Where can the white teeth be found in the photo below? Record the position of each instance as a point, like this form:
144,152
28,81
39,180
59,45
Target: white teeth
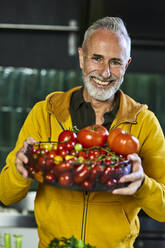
100,82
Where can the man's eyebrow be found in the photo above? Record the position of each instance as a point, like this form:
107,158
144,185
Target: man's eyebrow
101,56
115,59
97,55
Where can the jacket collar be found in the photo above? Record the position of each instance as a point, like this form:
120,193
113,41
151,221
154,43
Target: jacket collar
58,103
129,109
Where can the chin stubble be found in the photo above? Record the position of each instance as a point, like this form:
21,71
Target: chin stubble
100,93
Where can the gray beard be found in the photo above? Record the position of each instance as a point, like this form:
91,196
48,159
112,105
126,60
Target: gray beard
99,93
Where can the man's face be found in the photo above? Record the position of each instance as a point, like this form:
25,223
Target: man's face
103,63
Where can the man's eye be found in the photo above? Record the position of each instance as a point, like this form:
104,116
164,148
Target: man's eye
115,62
98,59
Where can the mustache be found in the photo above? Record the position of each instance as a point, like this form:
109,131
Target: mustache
108,79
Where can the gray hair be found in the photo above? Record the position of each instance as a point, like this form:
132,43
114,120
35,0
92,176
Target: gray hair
113,24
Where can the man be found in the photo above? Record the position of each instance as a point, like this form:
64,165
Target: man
103,219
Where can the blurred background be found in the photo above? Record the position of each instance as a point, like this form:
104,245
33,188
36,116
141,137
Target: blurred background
38,55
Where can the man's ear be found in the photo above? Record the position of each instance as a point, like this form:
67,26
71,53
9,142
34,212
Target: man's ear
81,59
129,61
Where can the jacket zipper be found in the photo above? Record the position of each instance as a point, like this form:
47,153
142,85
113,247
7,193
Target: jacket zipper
84,217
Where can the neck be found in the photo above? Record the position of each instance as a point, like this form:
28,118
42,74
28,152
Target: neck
100,107
97,104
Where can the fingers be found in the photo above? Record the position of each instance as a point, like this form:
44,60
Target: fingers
28,141
130,190
136,177
22,159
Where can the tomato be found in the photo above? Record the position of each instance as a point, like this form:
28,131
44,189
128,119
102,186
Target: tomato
49,177
64,166
122,142
63,153
58,159
108,172
67,135
81,173
93,154
70,145
82,154
111,182
49,163
87,184
52,153
61,147
65,179
94,135
78,147
94,172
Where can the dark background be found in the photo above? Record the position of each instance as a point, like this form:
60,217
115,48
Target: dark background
49,49
37,49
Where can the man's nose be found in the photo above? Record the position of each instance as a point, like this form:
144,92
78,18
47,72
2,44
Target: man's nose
106,71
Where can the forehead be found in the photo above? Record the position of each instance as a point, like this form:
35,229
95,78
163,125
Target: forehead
106,43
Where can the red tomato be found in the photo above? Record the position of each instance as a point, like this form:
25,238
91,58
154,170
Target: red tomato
49,163
108,171
49,177
52,153
64,166
121,142
95,135
81,175
63,153
111,182
65,179
94,172
70,144
67,135
87,184
82,154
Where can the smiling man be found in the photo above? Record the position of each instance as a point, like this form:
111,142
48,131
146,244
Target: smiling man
104,59
103,219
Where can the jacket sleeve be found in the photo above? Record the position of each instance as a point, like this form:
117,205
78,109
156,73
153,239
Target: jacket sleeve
13,187
151,195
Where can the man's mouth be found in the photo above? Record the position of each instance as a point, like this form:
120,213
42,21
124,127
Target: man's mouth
104,83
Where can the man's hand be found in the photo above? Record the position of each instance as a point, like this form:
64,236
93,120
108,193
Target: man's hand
135,178
21,158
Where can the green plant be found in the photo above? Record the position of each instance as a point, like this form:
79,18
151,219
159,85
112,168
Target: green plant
68,243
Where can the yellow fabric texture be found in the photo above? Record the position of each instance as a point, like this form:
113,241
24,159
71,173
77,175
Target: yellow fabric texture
100,218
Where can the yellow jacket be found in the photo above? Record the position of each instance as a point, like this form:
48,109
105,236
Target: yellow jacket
100,218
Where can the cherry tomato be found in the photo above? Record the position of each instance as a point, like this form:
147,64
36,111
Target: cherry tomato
82,154
94,172
31,170
49,163
80,176
122,143
49,177
52,153
61,147
93,154
70,145
40,164
58,159
95,135
63,153
87,184
78,147
65,179
67,135
111,182
106,174
64,166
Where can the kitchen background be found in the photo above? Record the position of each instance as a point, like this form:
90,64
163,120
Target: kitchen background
38,55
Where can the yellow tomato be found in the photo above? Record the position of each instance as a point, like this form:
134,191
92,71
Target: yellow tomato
58,159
